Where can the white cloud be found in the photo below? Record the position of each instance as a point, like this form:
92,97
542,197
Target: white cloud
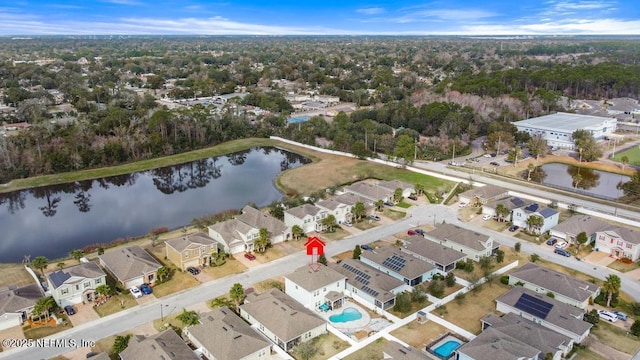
370,11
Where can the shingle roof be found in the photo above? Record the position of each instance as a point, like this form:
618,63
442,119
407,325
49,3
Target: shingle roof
510,203
329,204
304,210
15,299
555,281
484,192
281,314
378,281
183,242
459,235
369,191
431,250
579,223
392,185
257,219
492,344
129,263
547,212
89,270
229,230
223,326
165,345
312,280
627,235
413,266
396,351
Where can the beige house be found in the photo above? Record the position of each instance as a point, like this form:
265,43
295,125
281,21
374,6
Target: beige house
130,266
76,284
469,242
165,345
278,231
191,250
483,195
340,210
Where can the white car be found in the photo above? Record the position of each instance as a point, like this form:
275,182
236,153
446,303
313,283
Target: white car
561,245
348,223
486,155
607,315
486,217
135,292
462,204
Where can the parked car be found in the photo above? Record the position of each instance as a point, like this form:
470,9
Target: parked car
366,247
146,289
462,204
69,310
250,256
486,155
486,217
552,241
607,315
413,197
412,232
193,271
494,163
561,245
389,203
348,223
562,252
420,231
513,228
622,316
374,217
135,292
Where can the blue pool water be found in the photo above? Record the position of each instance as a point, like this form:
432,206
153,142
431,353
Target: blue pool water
348,314
447,348
298,119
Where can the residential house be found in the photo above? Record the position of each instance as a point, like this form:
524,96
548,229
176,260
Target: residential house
371,192
509,203
16,304
401,265
492,344
76,284
278,231
370,284
130,266
565,288
469,242
549,216
340,210
166,345
234,236
543,339
223,327
315,287
309,217
569,229
620,242
444,259
546,311
191,250
392,185
482,195
350,200
282,319
396,351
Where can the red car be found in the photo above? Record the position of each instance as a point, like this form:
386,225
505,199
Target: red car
412,232
250,256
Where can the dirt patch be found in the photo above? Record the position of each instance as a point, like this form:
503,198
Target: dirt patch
372,351
14,274
476,305
14,332
419,335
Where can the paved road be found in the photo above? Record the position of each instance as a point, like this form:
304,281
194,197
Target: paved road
423,214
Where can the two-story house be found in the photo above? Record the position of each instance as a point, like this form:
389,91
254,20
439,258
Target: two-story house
482,195
403,266
316,287
278,231
191,250
234,236
340,210
131,266
620,242
520,217
76,284
469,242
569,229
308,217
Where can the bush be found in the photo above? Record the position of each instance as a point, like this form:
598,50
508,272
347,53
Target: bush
438,276
158,230
504,279
635,328
436,288
517,246
403,303
450,280
592,317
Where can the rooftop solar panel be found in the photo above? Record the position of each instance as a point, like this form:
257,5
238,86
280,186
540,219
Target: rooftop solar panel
532,207
533,306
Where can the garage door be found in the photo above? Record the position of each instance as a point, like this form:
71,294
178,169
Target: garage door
135,282
237,249
194,262
71,301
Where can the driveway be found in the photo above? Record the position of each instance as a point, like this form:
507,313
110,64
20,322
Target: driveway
84,314
145,299
12,333
599,258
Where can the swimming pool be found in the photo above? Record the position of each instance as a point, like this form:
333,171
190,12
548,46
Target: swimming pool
298,119
447,348
348,314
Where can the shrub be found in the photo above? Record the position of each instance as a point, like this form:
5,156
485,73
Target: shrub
438,276
450,280
403,303
436,288
504,279
158,230
592,317
551,295
517,246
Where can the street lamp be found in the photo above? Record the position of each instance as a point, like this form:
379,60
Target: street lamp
162,306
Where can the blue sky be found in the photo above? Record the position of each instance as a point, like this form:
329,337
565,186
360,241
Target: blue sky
286,17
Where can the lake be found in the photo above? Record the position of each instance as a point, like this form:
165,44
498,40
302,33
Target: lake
596,183
53,220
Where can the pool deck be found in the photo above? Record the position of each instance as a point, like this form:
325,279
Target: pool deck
349,325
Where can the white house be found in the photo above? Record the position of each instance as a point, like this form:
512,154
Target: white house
16,304
620,242
313,288
519,217
76,284
469,242
569,229
278,231
309,217
510,203
340,210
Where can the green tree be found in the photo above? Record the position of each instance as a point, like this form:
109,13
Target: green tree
379,205
360,150
485,262
188,318
419,188
502,212
630,188
514,155
103,290
397,195
534,222
76,254
537,146
40,263
582,239
624,160
262,242
322,259
534,258
164,274
611,286
222,302
499,141
450,279
530,169
499,256
460,298
359,211
237,295
297,232
635,328
306,350
592,317
120,343
60,265
330,223
44,306
436,288
587,146
403,302
405,149
357,252
517,246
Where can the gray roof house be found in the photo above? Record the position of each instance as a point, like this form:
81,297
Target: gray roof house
16,304
76,284
369,283
315,287
396,351
131,266
492,344
548,312
223,326
440,256
565,288
234,236
282,319
401,265
309,217
473,244
544,339
483,195
278,231
339,209
569,229
166,345
550,217
510,203
407,189
371,192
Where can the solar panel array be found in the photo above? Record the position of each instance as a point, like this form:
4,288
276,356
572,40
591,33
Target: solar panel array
395,263
533,306
370,291
361,276
532,207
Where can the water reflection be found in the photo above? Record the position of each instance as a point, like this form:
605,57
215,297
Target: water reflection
583,178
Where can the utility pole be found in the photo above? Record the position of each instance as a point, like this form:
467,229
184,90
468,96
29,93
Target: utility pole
366,143
415,150
453,154
498,149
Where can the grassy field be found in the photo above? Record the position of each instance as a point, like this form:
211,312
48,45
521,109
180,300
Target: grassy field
616,338
632,153
327,346
477,304
372,351
116,303
419,335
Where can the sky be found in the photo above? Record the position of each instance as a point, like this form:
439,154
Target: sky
328,17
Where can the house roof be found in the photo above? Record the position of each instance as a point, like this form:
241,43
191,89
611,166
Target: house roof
129,263
394,184
432,250
101,356
369,191
627,235
484,192
330,204
454,233
400,262
304,210
89,270
352,199
510,203
368,279
547,212
555,281
184,242
396,351
527,331
312,280
223,326
257,219
229,230
14,299
281,314
165,345
496,345
558,313
579,223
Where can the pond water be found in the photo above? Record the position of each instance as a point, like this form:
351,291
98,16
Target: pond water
596,183
51,221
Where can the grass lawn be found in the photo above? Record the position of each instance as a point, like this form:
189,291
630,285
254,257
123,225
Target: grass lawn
44,331
536,239
623,267
179,282
476,305
633,154
403,205
271,254
327,345
495,225
232,266
104,344
269,284
170,319
338,234
394,214
372,351
14,275
586,354
116,303
365,224
419,335
616,338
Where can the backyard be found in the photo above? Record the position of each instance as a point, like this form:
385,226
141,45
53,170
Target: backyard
372,351
616,338
419,335
326,345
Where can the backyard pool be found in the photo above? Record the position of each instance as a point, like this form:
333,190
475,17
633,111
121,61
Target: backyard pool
348,314
447,348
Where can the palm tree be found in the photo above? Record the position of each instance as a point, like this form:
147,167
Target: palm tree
530,168
236,293
263,240
379,204
611,286
188,318
164,274
397,195
44,306
419,188
60,265
330,223
103,290
534,222
502,212
221,302
359,211
40,263
76,254
297,232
